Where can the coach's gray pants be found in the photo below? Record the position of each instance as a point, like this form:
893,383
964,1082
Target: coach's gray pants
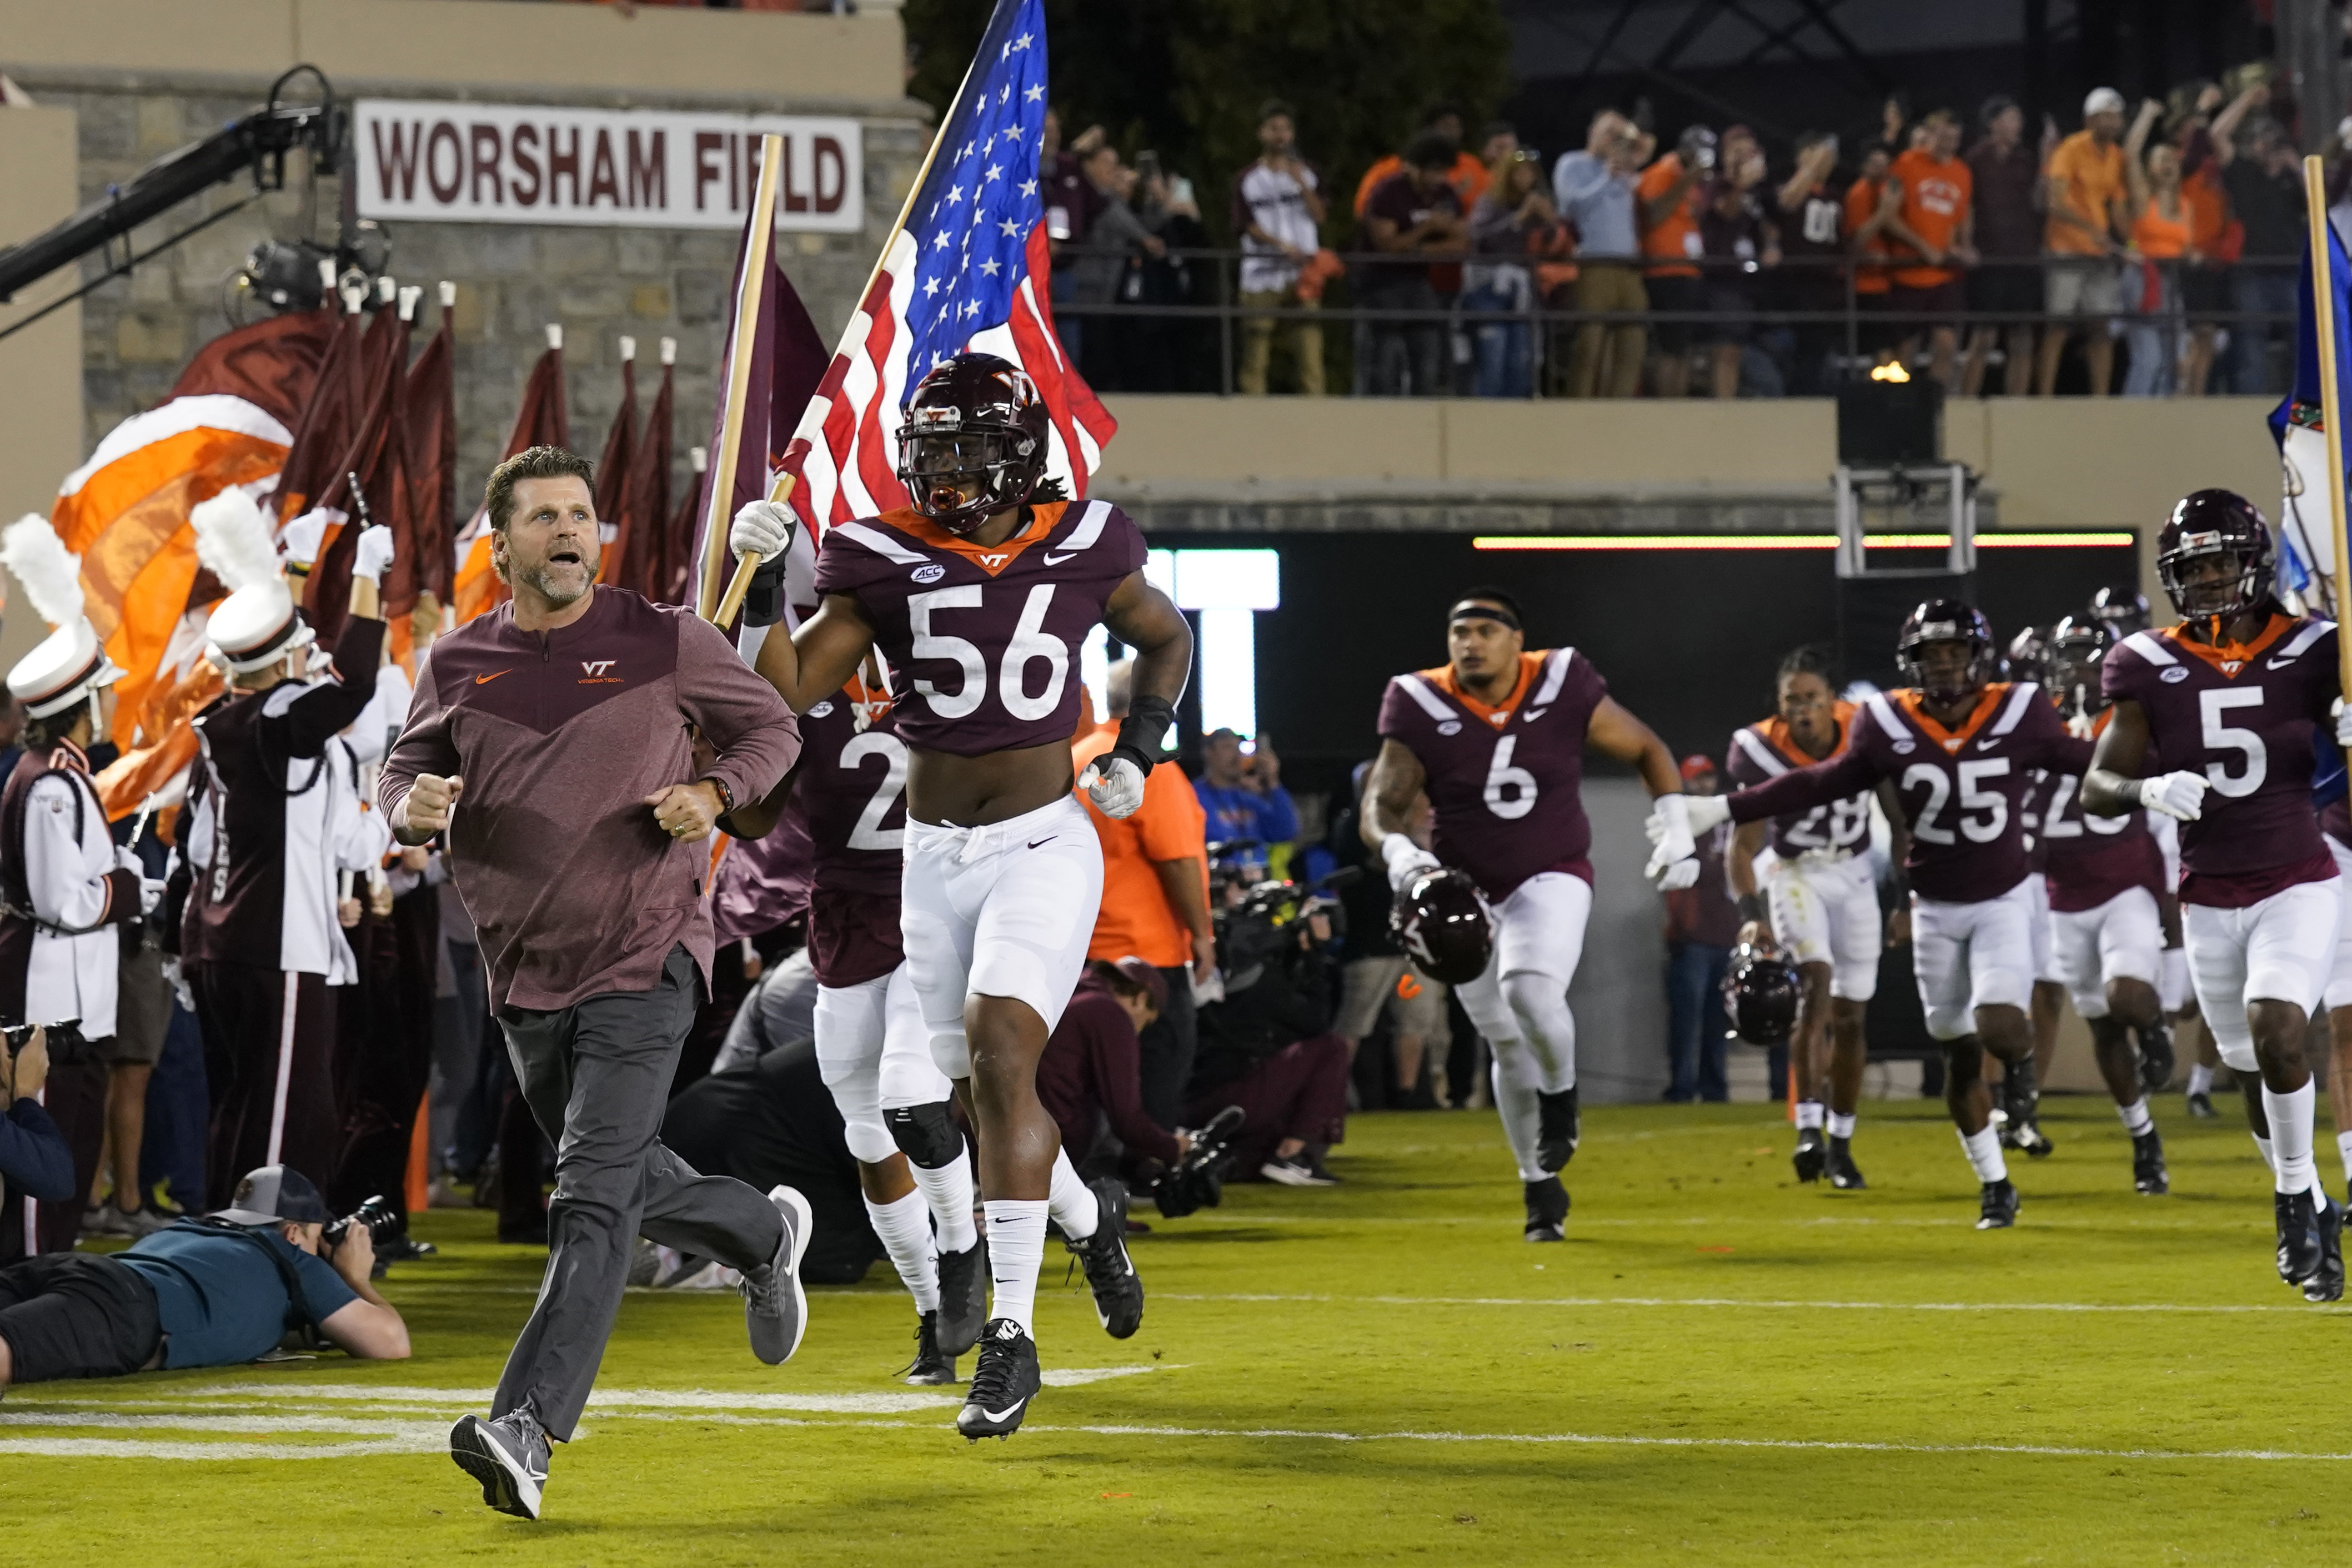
597,1077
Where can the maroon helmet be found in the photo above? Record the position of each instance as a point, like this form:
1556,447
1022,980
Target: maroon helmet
2215,523
1442,921
1760,992
1945,621
974,440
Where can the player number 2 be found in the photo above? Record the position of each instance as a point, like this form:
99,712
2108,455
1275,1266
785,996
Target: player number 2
870,832
1031,642
2213,706
1510,791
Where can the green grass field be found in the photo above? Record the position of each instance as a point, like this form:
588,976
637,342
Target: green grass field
1718,1365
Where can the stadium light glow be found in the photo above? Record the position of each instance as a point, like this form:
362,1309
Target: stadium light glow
2109,540
1225,590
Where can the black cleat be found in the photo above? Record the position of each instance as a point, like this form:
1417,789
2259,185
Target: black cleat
931,1366
2298,1236
1997,1206
507,1455
1110,1273
2149,1175
1557,1128
1844,1175
1001,1384
2326,1283
2156,1058
2200,1105
1547,1210
1811,1157
2023,1101
963,1298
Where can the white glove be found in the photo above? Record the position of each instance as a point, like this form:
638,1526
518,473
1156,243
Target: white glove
178,981
374,554
762,529
127,859
1678,875
1405,859
1115,784
2081,726
2342,723
151,893
2180,796
299,543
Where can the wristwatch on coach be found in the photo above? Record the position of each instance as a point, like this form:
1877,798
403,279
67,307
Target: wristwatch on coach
726,796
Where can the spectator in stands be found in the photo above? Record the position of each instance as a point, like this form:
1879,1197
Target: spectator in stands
1090,1078
2200,134
2158,223
1166,350
1738,240
1514,219
1669,197
1594,190
1811,220
1242,794
1464,171
1412,213
1155,902
2005,176
1374,972
2083,186
1116,239
1264,1047
1071,202
1933,229
1702,924
2264,185
1870,206
1277,206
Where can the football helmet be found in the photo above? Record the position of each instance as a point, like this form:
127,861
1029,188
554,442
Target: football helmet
2029,655
1442,921
1945,621
2078,646
1760,993
974,440
2215,523
2123,608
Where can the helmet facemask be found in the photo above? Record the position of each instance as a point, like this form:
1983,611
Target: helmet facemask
1946,688
960,477
2219,597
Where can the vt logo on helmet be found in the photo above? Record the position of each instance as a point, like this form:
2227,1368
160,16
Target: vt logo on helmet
974,441
1442,921
1760,992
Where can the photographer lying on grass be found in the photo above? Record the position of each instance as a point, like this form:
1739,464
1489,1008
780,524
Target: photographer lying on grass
200,1292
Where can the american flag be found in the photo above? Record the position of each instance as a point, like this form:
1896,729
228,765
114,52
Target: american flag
967,270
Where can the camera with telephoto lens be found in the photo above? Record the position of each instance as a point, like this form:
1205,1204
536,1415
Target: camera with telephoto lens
377,1217
1197,1181
68,1047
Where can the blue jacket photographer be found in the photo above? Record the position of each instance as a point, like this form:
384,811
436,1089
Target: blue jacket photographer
202,1292
35,1161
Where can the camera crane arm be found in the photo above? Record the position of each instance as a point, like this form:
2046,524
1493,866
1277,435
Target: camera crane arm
258,143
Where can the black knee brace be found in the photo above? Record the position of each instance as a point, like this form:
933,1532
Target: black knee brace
926,1134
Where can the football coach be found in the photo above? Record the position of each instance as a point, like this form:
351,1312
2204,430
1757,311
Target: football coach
548,739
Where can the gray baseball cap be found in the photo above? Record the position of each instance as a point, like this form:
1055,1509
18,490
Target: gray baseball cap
275,1194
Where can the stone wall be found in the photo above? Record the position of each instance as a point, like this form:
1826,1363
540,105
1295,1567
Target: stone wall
599,283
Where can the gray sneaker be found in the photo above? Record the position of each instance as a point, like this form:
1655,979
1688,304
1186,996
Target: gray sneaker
507,1455
137,1223
775,1308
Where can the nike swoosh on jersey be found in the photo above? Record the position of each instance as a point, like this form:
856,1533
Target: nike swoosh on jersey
1988,744
1534,714
2281,663
1053,559
485,680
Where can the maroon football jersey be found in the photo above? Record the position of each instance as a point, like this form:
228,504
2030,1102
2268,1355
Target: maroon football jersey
2090,859
1962,789
1766,751
984,639
851,789
1505,783
2243,716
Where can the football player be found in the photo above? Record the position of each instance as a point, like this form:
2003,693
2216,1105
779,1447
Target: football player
2336,822
872,1049
1806,877
979,595
1496,736
1960,748
2106,877
2230,699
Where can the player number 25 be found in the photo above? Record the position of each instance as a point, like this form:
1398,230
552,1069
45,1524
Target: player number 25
2212,708
1983,812
1031,642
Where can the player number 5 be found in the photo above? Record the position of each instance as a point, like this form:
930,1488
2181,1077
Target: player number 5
2212,707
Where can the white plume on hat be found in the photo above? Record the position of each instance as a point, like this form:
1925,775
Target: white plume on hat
233,539
51,574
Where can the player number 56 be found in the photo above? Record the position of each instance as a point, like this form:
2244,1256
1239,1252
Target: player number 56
1031,642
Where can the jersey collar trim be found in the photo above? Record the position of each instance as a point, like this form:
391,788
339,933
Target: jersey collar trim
1774,732
1499,715
990,559
2230,657
1952,740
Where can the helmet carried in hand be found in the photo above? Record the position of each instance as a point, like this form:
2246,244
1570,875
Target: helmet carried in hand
1760,993
1442,921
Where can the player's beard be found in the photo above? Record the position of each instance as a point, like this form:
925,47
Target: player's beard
561,583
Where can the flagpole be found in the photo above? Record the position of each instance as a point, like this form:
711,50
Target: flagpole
2322,306
747,564
759,244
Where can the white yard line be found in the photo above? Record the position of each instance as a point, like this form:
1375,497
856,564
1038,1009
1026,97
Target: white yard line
1745,1304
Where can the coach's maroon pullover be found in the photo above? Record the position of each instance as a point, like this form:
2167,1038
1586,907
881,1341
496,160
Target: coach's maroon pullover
559,735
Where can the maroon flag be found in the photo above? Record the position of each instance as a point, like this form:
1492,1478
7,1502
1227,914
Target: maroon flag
369,483
427,558
644,513
677,564
542,420
615,466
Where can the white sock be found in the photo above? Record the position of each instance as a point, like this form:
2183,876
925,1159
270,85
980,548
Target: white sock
2291,1132
946,1192
2135,1117
2201,1079
1071,1201
1840,1124
1809,1114
1522,1113
905,1227
1016,1250
2344,1147
2263,1148
1983,1150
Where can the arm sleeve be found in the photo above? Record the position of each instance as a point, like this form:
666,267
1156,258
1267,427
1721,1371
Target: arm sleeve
424,746
67,889
34,1156
1277,818
1118,1071
1849,772
324,1292
329,709
737,711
